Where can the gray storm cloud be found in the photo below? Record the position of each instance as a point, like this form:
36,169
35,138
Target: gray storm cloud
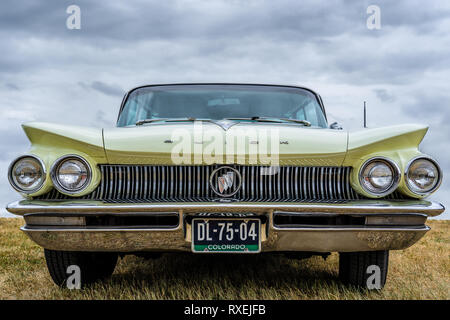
50,73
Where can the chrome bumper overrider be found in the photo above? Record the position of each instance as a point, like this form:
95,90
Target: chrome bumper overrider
393,224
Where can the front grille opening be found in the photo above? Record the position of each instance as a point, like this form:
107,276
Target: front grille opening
157,221
293,220
169,183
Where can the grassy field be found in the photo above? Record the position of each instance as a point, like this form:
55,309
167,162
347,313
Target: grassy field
420,272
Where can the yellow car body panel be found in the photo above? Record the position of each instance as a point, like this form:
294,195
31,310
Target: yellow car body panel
398,143
154,143
51,141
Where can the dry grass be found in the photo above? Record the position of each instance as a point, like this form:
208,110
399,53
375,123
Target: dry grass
420,272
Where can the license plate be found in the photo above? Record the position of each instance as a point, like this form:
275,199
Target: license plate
226,235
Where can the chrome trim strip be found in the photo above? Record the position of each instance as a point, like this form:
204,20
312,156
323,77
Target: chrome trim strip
87,229
368,228
330,183
385,220
111,179
333,214
361,206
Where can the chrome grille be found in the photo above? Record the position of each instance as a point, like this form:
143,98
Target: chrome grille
140,183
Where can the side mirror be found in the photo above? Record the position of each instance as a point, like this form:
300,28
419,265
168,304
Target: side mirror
335,126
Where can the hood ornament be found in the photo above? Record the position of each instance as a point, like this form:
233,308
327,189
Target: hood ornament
225,124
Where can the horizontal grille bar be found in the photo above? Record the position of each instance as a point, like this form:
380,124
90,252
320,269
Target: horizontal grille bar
141,183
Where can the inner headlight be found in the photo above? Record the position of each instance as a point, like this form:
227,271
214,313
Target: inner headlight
27,174
71,174
423,176
379,176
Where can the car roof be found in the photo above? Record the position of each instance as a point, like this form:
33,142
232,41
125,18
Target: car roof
225,84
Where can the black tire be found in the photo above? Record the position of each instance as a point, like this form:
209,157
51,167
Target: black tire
93,266
353,268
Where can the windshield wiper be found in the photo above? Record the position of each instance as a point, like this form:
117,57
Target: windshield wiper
141,122
259,119
277,120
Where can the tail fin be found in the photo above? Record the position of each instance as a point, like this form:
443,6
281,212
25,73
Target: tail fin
76,138
387,138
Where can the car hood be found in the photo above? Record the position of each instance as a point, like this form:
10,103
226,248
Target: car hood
241,143
159,143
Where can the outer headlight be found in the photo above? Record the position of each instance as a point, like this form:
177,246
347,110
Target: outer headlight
71,174
379,176
27,174
423,176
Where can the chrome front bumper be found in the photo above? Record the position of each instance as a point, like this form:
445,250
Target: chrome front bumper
393,225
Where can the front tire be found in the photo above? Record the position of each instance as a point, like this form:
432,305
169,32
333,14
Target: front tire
367,270
93,266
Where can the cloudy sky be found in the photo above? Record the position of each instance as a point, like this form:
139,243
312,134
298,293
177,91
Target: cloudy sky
51,73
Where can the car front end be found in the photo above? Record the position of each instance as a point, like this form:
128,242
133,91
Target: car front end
146,185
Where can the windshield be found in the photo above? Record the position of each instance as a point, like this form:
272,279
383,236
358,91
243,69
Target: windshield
217,102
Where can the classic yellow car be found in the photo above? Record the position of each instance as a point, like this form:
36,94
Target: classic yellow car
223,168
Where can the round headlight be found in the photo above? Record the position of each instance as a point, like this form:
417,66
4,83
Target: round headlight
379,176
27,174
71,174
423,176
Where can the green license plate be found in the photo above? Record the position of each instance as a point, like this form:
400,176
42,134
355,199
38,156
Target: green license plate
226,235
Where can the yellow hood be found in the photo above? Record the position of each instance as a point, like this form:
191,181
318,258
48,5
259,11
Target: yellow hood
157,143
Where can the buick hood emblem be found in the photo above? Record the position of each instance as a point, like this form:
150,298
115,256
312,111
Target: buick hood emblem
225,181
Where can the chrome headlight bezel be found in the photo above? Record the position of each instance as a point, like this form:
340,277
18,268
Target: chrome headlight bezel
54,174
396,176
435,163
43,169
